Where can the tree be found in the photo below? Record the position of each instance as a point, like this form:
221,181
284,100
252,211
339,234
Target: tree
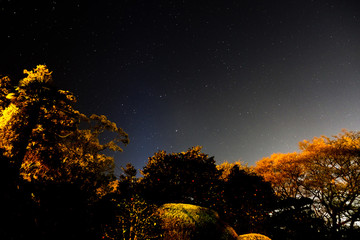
295,219
50,149
132,217
187,177
284,171
327,170
135,219
128,184
246,198
40,132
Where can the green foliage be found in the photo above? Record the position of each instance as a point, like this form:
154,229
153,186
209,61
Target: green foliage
253,236
187,177
186,221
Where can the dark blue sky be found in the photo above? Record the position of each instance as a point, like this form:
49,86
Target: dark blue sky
243,79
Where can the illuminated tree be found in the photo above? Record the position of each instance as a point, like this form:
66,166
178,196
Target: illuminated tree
284,171
40,132
52,161
332,177
225,168
188,177
327,170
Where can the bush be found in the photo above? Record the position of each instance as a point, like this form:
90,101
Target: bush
186,221
253,236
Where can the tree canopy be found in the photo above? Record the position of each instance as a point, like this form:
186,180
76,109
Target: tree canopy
326,170
188,177
41,136
245,198
53,162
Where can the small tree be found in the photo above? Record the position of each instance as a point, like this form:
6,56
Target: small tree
131,217
128,184
135,219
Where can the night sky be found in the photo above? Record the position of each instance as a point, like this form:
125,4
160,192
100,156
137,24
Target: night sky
243,79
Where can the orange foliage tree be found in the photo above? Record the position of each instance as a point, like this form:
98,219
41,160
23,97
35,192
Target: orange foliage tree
326,170
284,171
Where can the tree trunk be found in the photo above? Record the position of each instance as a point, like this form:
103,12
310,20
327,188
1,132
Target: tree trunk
334,227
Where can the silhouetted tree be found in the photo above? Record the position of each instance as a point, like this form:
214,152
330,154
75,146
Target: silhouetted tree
128,183
188,177
294,219
134,219
246,199
131,216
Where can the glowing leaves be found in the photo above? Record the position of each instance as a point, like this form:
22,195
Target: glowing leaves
6,92
39,74
39,130
8,136
69,96
326,170
8,114
11,96
226,168
283,171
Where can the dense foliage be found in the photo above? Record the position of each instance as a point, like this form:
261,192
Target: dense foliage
189,177
245,198
51,168
327,172
57,179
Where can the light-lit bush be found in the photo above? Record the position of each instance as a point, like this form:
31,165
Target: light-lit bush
253,236
186,221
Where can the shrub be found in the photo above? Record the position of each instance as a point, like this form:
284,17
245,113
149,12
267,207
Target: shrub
186,221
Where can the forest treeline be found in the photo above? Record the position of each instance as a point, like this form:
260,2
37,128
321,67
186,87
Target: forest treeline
58,181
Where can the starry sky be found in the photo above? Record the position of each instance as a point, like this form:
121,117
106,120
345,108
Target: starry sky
242,78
